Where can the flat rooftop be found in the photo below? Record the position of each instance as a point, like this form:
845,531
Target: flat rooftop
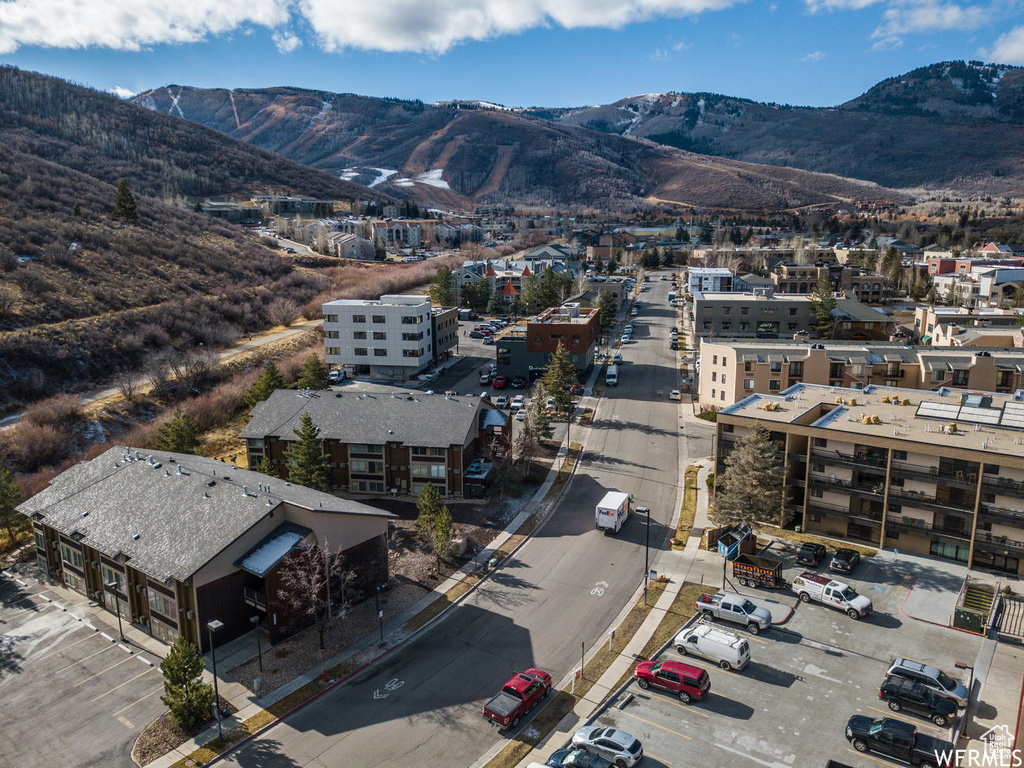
985,421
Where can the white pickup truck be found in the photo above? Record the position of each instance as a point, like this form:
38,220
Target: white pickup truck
835,594
734,608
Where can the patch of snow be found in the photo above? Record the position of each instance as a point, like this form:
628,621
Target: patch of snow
348,174
433,178
385,174
402,183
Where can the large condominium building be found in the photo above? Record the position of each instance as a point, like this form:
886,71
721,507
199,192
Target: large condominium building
391,338
709,279
732,369
931,473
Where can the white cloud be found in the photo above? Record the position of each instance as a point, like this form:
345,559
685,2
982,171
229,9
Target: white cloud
660,54
383,25
1008,49
128,24
286,42
839,5
888,44
682,45
930,16
814,56
122,93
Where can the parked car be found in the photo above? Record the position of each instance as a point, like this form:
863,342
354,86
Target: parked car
618,746
521,414
476,334
617,358
501,401
577,758
931,678
485,378
895,738
474,316
488,340
734,608
844,560
689,683
576,389
724,648
518,382
517,697
902,693
673,344
517,402
674,395
500,382
811,553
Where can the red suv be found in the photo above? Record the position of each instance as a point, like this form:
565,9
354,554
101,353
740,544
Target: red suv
500,382
688,682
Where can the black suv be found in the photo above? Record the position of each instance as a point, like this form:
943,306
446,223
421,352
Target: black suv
844,560
810,554
909,695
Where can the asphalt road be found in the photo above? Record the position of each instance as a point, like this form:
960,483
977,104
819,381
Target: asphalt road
422,705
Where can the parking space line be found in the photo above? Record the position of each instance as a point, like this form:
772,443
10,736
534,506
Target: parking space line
687,707
656,757
870,757
93,677
64,648
642,720
122,685
137,701
75,663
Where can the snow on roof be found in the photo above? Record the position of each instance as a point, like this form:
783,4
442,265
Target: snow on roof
268,553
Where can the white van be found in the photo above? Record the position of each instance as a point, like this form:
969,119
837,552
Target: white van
724,648
611,376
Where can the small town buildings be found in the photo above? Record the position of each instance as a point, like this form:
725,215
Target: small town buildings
927,318
731,369
709,279
523,349
394,337
345,245
851,281
173,541
385,440
931,473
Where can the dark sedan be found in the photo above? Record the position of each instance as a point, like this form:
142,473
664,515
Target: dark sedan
810,553
844,560
577,758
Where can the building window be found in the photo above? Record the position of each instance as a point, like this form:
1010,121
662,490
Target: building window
714,375
818,467
726,310
792,311
412,337
723,379
359,334
360,352
74,581
899,455
163,632
707,326
332,335
714,360
378,352
791,326
817,493
776,367
362,448
436,471
722,396
744,326
796,369
40,540
726,326
111,575
774,386
410,353
380,336
358,318
714,393
835,371
330,318
820,442
162,604
744,310
749,366
748,384
938,375
959,378
409,319
379,319
71,556
357,466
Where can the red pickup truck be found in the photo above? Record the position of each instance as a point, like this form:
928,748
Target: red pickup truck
518,696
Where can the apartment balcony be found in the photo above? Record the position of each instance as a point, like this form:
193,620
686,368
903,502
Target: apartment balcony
837,512
837,485
966,480
1001,513
1003,485
922,501
857,461
997,544
913,525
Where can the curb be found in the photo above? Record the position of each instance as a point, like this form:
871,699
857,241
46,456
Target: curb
934,623
405,640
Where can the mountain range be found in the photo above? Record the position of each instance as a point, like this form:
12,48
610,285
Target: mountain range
459,155
698,149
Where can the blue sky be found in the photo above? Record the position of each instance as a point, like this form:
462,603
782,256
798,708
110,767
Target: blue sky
514,52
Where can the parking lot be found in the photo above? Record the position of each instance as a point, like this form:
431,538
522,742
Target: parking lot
70,692
789,705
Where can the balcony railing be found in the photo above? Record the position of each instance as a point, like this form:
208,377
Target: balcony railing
838,484
1003,484
844,513
860,461
1013,515
910,498
990,542
913,524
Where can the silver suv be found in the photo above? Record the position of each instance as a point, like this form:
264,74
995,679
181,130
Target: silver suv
931,678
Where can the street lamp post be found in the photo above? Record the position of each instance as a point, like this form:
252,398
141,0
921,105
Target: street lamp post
213,626
112,586
255,621
380,613
647,550
970,687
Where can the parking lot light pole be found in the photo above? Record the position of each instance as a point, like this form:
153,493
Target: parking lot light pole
112,586
255,621
970,686
213,626
647,550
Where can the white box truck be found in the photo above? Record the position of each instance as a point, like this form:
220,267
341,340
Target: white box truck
835,594
613,510
611,376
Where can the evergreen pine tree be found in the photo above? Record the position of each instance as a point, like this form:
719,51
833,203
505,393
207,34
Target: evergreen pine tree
185,694
313,374
125,207
76,209
750,489
559,376
307,464
269,381
266,467
823,302
440,290
606,308
10,496
442,533
428,502
179,435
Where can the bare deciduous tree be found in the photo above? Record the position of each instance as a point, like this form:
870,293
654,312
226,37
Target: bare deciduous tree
128,382
304,585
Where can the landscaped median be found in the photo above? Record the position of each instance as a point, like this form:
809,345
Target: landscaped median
337,674
689,509
563,702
